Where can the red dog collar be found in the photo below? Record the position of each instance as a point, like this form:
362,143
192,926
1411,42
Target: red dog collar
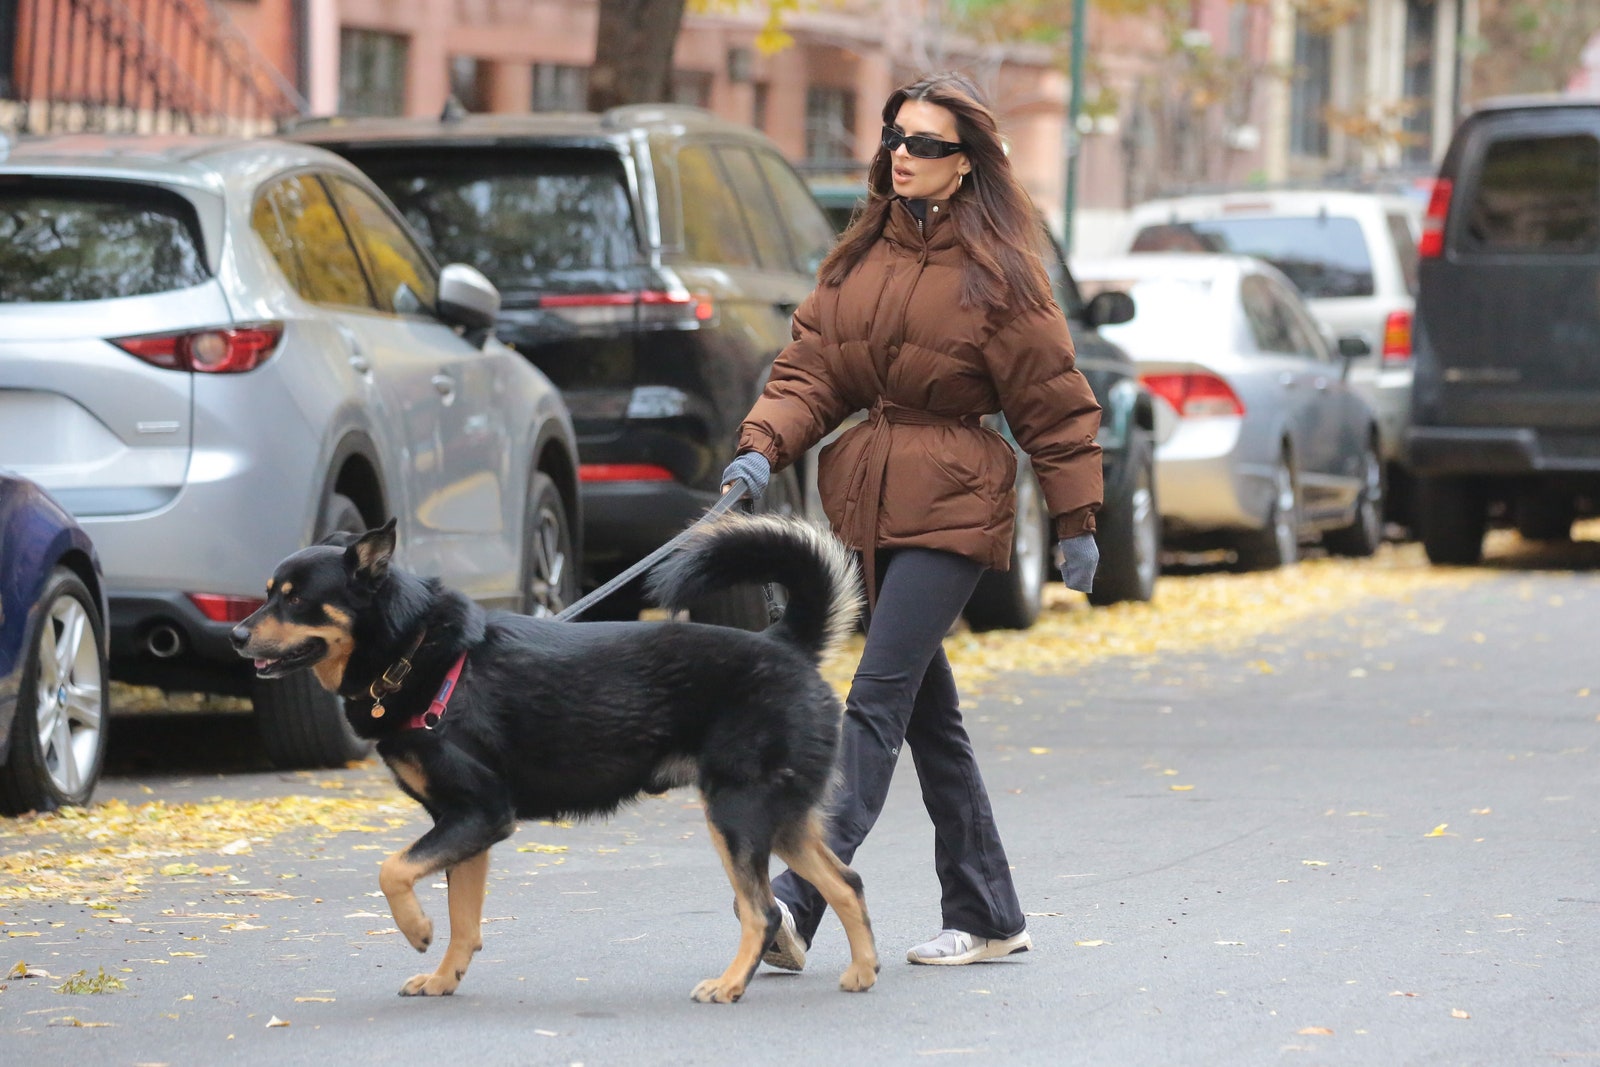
427,720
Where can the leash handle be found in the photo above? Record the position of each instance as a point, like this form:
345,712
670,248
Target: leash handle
738,489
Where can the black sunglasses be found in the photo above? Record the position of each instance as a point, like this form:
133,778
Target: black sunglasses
921,147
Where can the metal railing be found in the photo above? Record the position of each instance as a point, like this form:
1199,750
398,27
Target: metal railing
134,66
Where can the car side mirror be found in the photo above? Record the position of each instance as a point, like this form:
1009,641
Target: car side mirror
469,300
1109,308
1354,346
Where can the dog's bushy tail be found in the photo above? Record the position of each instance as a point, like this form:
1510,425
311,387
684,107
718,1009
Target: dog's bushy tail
816,571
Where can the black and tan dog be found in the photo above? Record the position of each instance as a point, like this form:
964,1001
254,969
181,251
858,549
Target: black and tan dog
488,718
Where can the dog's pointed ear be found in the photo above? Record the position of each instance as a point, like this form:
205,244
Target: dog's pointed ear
367,559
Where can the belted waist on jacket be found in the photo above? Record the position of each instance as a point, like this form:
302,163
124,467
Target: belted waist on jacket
882,413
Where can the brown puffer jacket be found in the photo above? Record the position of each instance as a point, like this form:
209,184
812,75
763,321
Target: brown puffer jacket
920,471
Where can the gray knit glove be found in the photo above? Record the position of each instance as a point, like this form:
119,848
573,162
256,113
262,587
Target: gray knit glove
753,468
1079,558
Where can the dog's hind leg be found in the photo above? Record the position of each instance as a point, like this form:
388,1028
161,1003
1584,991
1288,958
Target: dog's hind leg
468,881
809,856
758,915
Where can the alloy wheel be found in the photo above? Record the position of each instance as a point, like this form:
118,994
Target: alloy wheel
70,685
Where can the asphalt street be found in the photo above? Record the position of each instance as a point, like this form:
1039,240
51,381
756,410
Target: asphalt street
1372,840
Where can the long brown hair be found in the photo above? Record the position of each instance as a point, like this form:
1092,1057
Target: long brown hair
994,219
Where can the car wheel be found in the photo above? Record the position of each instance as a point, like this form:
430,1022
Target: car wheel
746,607
1129,537
1363,536
1452,515
1277,544
300,723
1545,517
58,736
1010,600
549,571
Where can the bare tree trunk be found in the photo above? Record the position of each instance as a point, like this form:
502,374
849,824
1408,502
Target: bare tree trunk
633,52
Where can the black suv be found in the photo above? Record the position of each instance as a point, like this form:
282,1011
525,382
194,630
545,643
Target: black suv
1507,383
649,259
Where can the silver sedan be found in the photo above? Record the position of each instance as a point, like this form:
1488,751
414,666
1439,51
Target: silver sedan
1262,443
216,351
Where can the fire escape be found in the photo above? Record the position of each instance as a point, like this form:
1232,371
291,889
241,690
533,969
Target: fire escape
134,66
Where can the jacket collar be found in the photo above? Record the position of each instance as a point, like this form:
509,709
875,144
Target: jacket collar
903,228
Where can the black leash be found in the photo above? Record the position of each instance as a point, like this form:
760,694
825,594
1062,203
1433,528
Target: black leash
737,491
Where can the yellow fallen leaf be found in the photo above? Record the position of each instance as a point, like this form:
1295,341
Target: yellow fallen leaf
1457,1013
534,846
1088,944
1316,1030
1315,863
1398,993
1180,788
1437,831
313,1000
275,1021
174,869
1037,751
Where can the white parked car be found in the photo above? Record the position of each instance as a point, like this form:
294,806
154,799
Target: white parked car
1353,255
1262,443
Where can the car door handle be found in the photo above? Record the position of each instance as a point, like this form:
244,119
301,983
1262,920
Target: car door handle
444,385
1287,380
358,358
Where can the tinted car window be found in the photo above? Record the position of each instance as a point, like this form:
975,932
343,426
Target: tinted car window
401,274
712,232
809,230
760,215
1269,324
526,219
312,248
1324,255
95,241
1537,194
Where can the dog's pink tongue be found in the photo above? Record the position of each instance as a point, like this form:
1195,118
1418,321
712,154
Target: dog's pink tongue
260,663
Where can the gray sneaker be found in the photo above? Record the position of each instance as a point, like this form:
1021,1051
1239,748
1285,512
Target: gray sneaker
955,947
787,951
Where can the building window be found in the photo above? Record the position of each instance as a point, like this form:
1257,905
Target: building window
758,105
830,124
1418,122
1310,93
372,72
691,87
469,82
560,88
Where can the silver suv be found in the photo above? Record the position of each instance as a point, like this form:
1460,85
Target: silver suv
1353,255
216,351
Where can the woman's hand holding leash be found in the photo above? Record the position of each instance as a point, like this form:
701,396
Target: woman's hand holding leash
753,469
1080,556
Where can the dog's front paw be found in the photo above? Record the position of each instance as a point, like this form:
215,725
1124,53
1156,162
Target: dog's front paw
431,985
858,979
418,930
716,991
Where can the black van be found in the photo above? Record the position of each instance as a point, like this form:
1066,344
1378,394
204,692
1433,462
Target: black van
1506,399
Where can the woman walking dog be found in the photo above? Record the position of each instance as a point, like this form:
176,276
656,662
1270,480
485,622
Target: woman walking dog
932,310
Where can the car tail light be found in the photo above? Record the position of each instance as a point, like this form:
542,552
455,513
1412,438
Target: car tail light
1431,244
622,472
1194,395
651,307
1397,339
222,608
217,350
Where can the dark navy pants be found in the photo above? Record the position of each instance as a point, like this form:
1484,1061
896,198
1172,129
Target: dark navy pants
904,694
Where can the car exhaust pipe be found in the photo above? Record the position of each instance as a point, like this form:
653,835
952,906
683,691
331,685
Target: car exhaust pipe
163,641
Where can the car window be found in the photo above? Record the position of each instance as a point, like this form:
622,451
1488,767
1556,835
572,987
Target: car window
1324,255
810,233
1270,323
760,214
1405,248
1173,317
95,241
527,220
402,277
1304,337
306,236
712,230
1536,194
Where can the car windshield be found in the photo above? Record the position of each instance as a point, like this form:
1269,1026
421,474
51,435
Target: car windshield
527,220
94,241
1325,255
1173,318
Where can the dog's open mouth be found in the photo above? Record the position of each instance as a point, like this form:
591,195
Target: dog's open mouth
290,661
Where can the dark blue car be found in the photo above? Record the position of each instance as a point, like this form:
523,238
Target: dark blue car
53,681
